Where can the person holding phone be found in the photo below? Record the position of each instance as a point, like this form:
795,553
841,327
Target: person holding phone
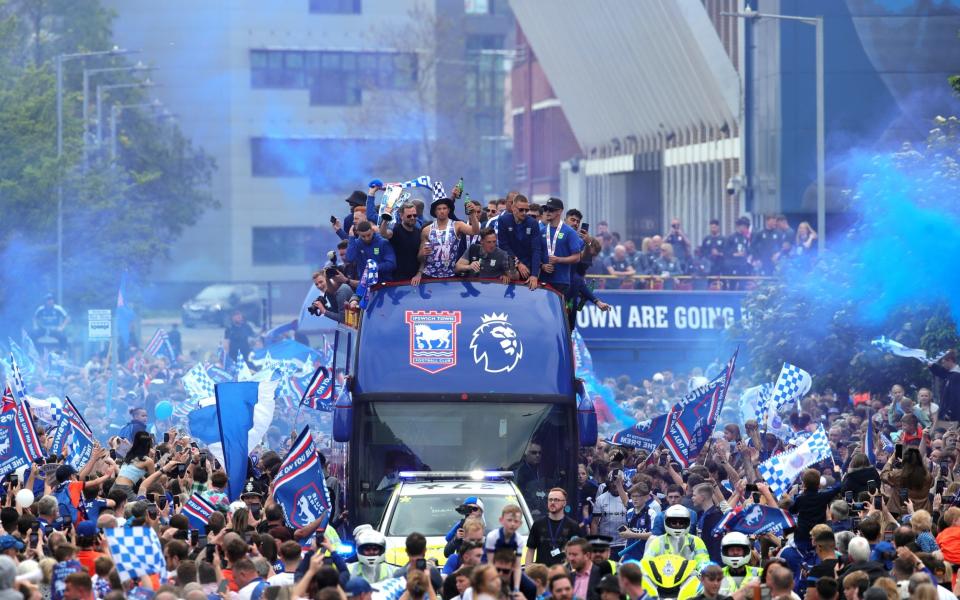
911,481
860,472
810,506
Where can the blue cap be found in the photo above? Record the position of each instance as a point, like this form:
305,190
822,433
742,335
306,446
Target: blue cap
8,541
376,183
87,529
356,586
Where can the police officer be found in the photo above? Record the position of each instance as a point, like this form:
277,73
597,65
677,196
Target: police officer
50,320
600,554
712,247
371,548
678,540
736,552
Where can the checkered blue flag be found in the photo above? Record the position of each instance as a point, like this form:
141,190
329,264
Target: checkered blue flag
389,589
136,551
19,389
791,385
781,471
438,192
198,383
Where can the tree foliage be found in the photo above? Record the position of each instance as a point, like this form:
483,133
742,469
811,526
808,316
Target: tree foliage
119,215
891,275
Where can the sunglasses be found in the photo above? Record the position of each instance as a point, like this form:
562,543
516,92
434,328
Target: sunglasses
523,210
503,571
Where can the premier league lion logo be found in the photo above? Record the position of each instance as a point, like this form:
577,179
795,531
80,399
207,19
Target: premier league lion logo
496,344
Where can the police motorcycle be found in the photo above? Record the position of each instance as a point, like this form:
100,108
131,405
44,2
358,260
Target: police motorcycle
670,577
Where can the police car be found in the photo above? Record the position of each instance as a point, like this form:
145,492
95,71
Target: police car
426,502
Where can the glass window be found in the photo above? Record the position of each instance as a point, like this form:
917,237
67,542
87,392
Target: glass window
432,515
294,60
336,7
530,439
258,59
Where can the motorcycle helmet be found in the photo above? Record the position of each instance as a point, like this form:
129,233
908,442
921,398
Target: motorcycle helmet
371,546
676,520
740,544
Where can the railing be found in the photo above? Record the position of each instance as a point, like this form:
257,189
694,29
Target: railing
678,282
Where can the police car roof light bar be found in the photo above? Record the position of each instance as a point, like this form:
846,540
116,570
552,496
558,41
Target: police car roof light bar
474,475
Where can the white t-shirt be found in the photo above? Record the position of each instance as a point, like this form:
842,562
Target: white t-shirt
613,514
281,579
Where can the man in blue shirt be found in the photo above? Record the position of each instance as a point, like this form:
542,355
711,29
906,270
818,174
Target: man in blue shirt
368,245
562,244
519,234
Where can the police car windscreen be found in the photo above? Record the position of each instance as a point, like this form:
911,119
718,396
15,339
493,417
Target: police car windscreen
432,515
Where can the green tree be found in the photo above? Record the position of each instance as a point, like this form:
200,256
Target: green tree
889,277
119,215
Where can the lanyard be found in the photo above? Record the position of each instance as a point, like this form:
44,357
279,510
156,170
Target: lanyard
553,534
552,244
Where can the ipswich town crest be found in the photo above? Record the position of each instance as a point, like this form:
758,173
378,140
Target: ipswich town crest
433,339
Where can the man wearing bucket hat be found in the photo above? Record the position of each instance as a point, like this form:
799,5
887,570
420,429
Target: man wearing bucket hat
441,239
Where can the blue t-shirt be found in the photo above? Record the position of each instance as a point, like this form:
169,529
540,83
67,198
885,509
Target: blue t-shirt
92,508
565,242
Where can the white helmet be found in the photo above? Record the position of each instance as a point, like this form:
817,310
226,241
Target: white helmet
732,540
371,538
672,518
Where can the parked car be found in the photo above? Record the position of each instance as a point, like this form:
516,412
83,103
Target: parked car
215,304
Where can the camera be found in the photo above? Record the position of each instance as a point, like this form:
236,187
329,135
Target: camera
858,506
313,310
464,510
386,217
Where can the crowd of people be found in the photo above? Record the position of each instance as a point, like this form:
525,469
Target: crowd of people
876,521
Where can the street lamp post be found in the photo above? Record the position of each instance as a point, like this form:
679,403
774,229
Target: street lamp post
60,59
817,23
115,86
87,73
115,111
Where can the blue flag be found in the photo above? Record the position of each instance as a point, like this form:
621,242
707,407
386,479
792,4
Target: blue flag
299,488
202,421
645,435
318,393
754,519
697,416
19,443
198,511
73,438
244,413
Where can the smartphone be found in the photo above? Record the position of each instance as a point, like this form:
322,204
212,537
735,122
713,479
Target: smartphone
176,501
663,460
113,454
333,220
756,497
152,511
855,523
585,227
941,485
898,451
622,528
751,487
67,521
421,564
181,470
318,537
848,497
872,486
166,437
162,502
210,554
903,494
194,537
14,480
223,586
878,503
151,497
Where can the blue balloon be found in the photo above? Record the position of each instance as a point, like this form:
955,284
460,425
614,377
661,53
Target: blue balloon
163,410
